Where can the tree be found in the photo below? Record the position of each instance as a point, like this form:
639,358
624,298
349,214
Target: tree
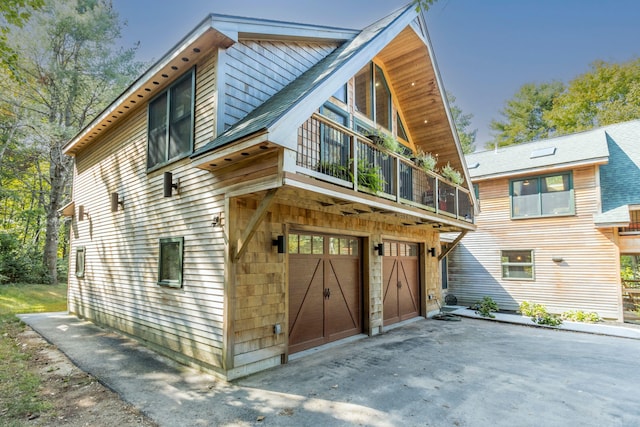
69,71
13,13
525,115
462,122
608,93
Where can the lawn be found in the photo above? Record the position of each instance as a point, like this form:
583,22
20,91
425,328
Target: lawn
18,385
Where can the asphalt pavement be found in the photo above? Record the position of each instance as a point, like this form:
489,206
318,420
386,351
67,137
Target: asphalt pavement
427,372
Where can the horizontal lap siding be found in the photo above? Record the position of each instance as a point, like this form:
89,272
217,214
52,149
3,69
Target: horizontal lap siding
587,279
119,288
256,70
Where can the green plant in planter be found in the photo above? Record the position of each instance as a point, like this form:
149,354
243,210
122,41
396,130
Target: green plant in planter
385,140
486,307
451,173
370,176
425,161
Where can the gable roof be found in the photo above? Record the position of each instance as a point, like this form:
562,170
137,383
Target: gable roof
213,32
275,108
401,42
582,148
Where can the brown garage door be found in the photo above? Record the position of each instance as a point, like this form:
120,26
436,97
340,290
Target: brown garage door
325,290
401,285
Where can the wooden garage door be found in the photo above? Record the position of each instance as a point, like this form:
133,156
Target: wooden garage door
401,285
325,290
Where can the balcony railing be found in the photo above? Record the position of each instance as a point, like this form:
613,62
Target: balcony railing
334,153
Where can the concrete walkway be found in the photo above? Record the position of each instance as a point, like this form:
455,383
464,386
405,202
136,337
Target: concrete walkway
423,373
622,330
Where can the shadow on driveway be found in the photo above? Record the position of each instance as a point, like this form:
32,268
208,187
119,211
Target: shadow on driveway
425,373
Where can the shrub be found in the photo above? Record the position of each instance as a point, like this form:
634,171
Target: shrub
581,316
486,307
538,313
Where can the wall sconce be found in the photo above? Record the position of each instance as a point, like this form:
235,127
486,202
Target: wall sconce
82,213
279,242
115,201
169,185
557,258
431,251
379,248
215,220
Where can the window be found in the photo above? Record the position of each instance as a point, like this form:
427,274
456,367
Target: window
80,256
517,264
341,94
402,133
373,96
363,83
170,262
542,196
334,143
306,244
171,123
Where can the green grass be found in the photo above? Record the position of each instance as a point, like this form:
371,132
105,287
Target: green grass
18,386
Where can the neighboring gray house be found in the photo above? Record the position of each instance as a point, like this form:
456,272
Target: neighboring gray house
556,216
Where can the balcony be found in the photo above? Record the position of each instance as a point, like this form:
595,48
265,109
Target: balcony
333,153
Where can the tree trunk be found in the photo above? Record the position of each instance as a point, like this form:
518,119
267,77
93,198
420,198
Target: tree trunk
58,175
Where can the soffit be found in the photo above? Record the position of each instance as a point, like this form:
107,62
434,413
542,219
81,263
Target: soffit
414,80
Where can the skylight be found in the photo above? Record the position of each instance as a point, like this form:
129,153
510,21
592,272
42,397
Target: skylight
542,152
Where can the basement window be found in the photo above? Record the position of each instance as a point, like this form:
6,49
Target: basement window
170,262
517,264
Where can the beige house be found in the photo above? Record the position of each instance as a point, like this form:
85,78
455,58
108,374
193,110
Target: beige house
234,205
556,217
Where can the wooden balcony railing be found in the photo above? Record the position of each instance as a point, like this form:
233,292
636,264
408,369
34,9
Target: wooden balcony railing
337,154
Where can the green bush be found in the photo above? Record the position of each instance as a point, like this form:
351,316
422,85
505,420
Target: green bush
538,313
486,307
19,263
581,316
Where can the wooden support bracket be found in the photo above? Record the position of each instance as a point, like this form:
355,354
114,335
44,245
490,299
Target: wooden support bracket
254,222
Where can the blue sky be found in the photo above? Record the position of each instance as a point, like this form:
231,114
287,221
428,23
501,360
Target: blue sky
485,49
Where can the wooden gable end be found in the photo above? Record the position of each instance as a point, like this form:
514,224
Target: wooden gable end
414,78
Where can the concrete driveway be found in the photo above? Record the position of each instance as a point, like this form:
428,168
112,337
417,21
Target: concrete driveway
425,373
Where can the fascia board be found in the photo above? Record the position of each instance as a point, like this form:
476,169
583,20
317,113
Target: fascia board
250,28
302,110
174,52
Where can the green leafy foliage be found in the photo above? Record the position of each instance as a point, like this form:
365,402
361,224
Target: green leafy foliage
486,307
524,115
581,316
462,123
539,314
370,176
426,161
451,173
607,93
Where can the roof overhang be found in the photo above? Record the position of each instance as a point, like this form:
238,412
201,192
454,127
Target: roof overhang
618,217
215,31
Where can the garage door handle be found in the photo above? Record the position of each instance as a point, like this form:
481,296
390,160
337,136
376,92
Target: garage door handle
327,293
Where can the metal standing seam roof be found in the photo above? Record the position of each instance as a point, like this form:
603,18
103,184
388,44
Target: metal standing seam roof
269,112
583,147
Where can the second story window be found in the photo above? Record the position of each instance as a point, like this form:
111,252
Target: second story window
373,96
547,195
171,123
